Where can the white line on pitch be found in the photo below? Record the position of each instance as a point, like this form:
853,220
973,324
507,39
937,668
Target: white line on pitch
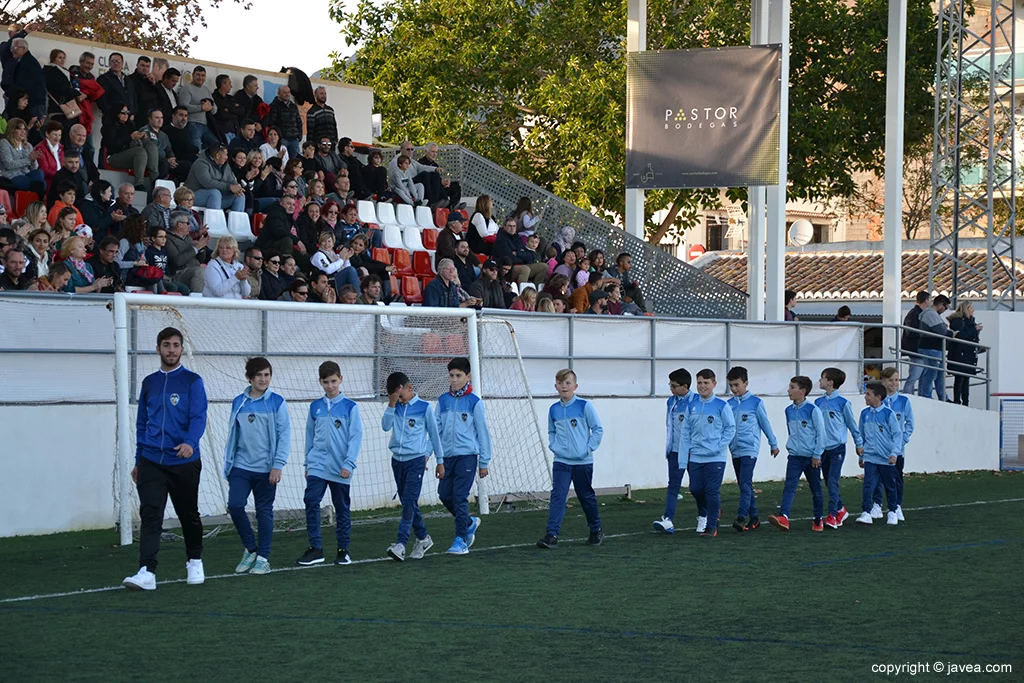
371,560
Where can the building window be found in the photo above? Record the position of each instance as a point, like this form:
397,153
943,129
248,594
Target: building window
821,234
715,238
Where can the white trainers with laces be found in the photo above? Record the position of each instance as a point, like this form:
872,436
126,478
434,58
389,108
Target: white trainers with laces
865,518
702,524
196,575
397,552
876,511
899,513
144,580
892,520
420,548
664,524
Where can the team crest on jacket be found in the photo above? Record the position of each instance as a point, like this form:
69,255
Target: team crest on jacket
465,417
831,415
337,424
743,418
412,423
710,419
573,422
174,399
251,418
803,423
682,417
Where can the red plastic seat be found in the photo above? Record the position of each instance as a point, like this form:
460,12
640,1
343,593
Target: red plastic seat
455,345
394,284
412,293
381,254
105,164
22,199
426,279
402,261
483,258
429,238
421,264
257,222
441,218
433,344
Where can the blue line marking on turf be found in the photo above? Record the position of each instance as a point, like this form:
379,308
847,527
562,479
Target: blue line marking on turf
898,553
515,627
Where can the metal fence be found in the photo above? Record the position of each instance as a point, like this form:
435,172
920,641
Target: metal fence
914,362
670,286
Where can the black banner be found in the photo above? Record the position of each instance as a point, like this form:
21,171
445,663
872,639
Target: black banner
703,118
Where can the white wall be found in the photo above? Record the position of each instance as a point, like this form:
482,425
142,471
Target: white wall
1003,331
60,479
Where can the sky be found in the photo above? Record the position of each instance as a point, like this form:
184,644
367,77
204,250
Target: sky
250,30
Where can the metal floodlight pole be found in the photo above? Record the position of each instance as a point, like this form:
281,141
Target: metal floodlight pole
756,194
636,41
775,270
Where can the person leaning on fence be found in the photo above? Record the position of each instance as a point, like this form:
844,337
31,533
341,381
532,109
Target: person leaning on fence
932,348
963,358
910,341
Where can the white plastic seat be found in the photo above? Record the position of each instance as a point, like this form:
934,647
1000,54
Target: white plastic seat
367,214
393,236
215,221
406,217
239,228
413,240
386,214
169,184
527,285
424,219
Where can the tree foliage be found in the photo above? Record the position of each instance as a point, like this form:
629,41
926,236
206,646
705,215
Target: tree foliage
539,86
162,25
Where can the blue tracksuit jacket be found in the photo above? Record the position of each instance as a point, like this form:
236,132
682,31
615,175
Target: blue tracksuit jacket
334,435
883,435
415,430
259,434
574,431
900,404
675,415
838,415
462,427
806,427
751,419
707,431
172,411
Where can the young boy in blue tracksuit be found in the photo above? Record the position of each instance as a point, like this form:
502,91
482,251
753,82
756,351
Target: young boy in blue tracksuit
900,404
883,439
679,384
707,431
259,441
414,437
751,419
805,444
838,415
574,433
462,426
334,435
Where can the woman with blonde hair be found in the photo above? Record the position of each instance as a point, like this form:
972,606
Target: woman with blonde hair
527,301
545,304
35,214
83,280
963,358
225,278
19,162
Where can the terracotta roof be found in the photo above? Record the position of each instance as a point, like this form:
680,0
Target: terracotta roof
857,275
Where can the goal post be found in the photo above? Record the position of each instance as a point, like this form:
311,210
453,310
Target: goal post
368,342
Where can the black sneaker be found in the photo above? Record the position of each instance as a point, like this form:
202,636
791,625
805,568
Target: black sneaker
311,556
709,533
753,524
548,542
343,557
740,524
596,537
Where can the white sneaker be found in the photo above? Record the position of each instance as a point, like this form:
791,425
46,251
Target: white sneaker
865,518
144,580
420,548
892,519
899,513
397,552
702,524
876,511
196,575
664,524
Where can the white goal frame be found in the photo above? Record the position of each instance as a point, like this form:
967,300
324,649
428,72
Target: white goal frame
123,302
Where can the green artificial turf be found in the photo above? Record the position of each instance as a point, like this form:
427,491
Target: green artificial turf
759,606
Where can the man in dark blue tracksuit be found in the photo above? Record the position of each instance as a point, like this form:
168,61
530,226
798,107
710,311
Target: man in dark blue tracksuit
171,421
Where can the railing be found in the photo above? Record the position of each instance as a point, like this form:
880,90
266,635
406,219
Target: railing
670,286
911,359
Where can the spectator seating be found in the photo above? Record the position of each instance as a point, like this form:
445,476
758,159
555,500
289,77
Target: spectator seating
441,218
402,261
367,212
412,291
22,199
216,223
257,223
423,218
429,237
169,184
238,227
423,263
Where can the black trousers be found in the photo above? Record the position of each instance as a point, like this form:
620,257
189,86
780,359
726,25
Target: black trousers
181,483
431,181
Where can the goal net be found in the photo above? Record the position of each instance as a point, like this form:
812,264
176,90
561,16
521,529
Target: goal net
368,343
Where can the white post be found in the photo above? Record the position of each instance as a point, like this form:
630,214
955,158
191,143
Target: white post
472,331
125,455
636,41
756,194
892,231
775,276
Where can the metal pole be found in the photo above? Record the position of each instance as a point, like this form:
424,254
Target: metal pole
756,194
775,271
654,361
892,231
124,447
636,41
472,332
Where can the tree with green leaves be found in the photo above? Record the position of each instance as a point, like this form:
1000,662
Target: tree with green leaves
539,86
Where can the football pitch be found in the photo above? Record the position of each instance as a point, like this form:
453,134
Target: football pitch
943,587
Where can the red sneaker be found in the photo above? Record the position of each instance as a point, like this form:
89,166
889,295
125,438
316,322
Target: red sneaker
710,533
832,523
841,515
817,525
779,521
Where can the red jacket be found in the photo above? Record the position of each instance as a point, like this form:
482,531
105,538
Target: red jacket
47,164
94,91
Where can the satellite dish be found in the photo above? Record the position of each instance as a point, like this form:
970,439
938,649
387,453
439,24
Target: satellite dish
801,233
